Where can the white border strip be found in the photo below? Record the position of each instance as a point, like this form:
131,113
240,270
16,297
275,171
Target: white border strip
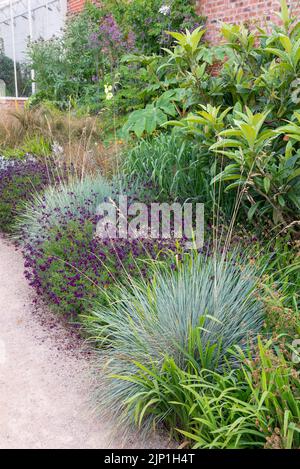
11,98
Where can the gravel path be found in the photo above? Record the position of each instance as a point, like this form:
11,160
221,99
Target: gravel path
44,386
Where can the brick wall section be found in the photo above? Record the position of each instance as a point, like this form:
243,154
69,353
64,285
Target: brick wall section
238,11
11,104
74,6
227,11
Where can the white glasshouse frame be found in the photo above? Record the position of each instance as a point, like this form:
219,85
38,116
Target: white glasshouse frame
28,11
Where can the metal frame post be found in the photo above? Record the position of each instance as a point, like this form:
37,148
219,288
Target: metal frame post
13,47
33,87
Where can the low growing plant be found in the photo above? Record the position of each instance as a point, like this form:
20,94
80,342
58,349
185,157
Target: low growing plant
192,313
255,406
19,182
65,260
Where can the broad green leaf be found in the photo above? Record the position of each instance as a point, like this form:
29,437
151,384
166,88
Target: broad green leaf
286,42
294,175
279,53
226,143
139,126
180,37
252,210
267,184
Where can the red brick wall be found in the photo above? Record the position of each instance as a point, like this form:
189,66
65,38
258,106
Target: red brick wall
74,6
238,11
11,103
227,11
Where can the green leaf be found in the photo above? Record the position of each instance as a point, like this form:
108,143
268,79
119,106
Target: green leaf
226,143
267,184
279,53
139,126
281,201
252,210
234,185
286,42
294,175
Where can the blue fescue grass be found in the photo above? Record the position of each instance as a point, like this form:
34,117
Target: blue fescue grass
47,210
192,314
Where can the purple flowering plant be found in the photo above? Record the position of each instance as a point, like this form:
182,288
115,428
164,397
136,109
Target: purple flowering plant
19,180
72,267
149,19
69,266
110,39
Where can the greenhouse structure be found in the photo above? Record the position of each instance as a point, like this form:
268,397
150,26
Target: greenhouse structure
27,20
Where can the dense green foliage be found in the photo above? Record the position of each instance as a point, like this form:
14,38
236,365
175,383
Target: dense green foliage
7,75
237,118
199,343
76,67
174,166
64,66
252,407
150,19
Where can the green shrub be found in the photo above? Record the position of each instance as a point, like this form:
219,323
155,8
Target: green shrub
270,180
149,22
242,116
75,68
64,66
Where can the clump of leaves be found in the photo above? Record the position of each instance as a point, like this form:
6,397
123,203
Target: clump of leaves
173,165
254,406
269,181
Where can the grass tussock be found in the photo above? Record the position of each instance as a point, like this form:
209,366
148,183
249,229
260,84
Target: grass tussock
71,140
193,315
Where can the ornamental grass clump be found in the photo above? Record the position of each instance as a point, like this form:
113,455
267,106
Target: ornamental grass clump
175,166
192,313
58,204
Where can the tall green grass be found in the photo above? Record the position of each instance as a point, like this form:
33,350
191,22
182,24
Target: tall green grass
176,167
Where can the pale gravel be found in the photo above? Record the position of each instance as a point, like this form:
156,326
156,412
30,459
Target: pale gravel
45,386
